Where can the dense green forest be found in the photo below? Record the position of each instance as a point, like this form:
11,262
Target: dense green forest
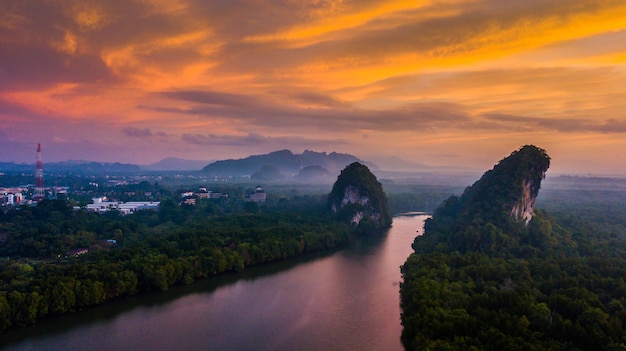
560,287
153,250
491,282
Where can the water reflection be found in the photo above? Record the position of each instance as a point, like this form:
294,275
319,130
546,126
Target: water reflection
335,301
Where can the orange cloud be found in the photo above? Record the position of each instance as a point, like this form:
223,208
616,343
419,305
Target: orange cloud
446,77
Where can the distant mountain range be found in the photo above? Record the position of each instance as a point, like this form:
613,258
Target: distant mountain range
90,167
80,167
278,165
281,163
176,164
284,164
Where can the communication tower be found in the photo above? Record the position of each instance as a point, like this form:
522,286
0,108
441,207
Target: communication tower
39,195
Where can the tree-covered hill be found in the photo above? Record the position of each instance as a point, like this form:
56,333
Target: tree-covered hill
482,278
502,199
314,174
284,161
267,173
357,197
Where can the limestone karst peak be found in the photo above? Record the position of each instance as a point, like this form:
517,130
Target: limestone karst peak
358,198
501,201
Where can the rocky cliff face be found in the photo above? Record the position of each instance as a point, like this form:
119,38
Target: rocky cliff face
510,189
358,198
524,209
352,196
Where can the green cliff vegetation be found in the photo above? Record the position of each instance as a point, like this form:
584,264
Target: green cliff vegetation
491,207
482,278
357,198
153,250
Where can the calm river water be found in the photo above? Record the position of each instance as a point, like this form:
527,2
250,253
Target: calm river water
347,300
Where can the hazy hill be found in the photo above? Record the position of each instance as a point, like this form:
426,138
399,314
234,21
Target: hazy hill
334,162
284,161
73,166
91,167
16,167
315,174
98,167
176,164
267,173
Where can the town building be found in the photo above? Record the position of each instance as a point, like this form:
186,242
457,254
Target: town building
202,193
189,201
11,196
259,195
217,195
191,197
100,204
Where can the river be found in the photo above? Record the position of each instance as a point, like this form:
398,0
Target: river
347,300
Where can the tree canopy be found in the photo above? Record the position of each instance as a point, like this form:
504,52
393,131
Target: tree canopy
153,250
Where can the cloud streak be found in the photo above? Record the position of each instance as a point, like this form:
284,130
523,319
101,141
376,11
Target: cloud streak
335,116
254,140
563,125
380,77
142,133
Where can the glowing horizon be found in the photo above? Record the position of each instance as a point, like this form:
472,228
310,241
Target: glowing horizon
452,82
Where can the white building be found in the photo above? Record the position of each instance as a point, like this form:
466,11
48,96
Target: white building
124,207
132,207
102,206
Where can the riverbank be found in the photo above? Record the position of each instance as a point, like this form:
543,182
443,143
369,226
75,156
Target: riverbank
346,299
155,257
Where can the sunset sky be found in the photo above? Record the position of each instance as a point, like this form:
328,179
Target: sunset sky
452,82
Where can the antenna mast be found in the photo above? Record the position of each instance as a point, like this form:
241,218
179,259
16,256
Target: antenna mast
39,192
